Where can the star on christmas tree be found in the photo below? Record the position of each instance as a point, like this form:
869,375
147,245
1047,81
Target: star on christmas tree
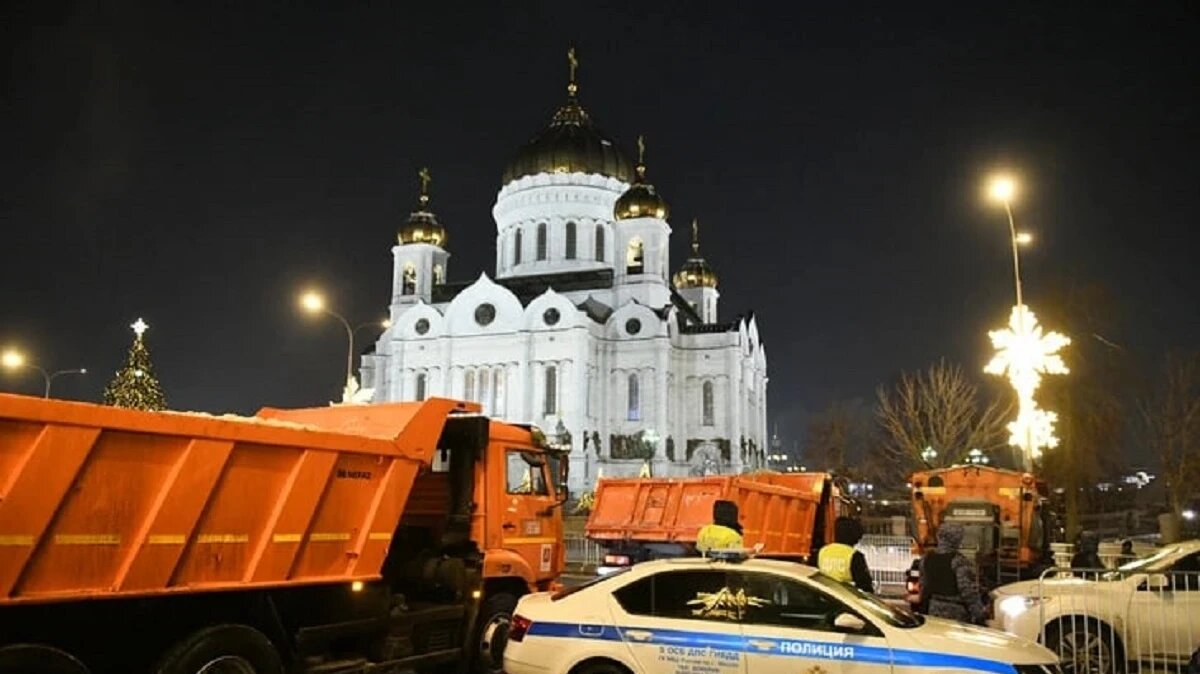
135,385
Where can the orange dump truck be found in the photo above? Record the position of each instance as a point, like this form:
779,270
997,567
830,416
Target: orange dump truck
637,519
1004,514
336,539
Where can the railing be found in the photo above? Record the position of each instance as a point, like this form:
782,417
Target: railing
889,558
582,552
1101,621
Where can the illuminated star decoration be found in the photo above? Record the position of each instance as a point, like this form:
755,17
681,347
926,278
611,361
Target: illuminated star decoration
1023,354
139,326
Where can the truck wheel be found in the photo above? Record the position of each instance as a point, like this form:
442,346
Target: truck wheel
222,649
492,632
38,659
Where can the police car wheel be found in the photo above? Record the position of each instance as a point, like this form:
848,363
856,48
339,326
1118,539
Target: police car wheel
495,616
38,659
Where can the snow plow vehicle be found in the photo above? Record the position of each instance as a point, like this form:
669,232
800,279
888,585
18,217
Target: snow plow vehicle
1004,514
335,539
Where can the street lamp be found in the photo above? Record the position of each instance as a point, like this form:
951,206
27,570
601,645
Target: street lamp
1002,189
314,303
928,455
15,360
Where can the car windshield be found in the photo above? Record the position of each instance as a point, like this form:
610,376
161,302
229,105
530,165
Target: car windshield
1155,562
869,603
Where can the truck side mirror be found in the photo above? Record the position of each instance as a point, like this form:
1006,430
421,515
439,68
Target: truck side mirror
848,622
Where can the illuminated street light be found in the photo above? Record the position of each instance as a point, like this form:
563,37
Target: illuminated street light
1023,352
15,360
314,303
928,455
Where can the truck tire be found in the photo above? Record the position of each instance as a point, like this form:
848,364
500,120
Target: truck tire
491,633
222,649
38,659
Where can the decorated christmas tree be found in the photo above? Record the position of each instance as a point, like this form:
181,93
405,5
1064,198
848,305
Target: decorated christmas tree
134,385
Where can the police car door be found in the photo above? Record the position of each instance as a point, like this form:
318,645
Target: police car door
789,626
678,621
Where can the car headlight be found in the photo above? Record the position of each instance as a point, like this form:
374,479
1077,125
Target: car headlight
1012,607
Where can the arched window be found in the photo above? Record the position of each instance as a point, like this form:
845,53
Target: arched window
600,243
570,241
408,281
469,385
635,399
498,391
707,403
634,256
541,241
517,247
439,274
485,379
420,386
550,398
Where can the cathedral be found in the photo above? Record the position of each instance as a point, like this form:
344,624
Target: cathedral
582,330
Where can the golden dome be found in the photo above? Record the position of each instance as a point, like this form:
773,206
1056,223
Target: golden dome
641,200
696,272
571,144
422,225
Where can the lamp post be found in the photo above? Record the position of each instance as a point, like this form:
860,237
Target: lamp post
14,360
314,303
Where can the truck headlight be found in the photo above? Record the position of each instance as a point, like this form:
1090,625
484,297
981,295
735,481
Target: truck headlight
1013,607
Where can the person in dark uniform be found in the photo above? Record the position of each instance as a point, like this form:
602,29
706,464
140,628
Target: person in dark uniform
949,583
840,561
1087,555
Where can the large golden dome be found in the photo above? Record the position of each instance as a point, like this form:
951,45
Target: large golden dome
422,225
696,272
570,144
641,200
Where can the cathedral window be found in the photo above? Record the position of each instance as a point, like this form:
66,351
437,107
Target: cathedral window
600,243
570,241
408,280
485,379
469,385
517,247
550,398
541,241
420,386
706,403
635,399
634,255
439,274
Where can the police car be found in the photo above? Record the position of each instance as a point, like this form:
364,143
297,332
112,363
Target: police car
700,616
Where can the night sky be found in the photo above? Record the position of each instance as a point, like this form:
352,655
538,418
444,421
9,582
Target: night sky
198,165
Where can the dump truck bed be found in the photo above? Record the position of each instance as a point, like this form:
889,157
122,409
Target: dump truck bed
97,501
778,510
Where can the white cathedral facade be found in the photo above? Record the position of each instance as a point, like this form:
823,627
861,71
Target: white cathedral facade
582,330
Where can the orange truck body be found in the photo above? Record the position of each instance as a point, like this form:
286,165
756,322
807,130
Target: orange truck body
1017,498
790,514
104,503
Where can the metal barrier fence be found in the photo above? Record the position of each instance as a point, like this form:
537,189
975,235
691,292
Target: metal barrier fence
581,551
889,558
1101,621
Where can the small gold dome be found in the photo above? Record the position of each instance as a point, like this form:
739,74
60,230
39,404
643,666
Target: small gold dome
422,225
641,200
696,272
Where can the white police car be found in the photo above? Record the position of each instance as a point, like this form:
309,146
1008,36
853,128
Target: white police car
699,616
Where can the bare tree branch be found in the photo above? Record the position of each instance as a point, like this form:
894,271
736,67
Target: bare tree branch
939,409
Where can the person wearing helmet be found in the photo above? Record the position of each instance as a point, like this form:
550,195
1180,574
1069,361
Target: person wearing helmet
840,561
949,584
724,533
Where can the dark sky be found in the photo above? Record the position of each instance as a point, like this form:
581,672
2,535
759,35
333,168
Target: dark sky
197,164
